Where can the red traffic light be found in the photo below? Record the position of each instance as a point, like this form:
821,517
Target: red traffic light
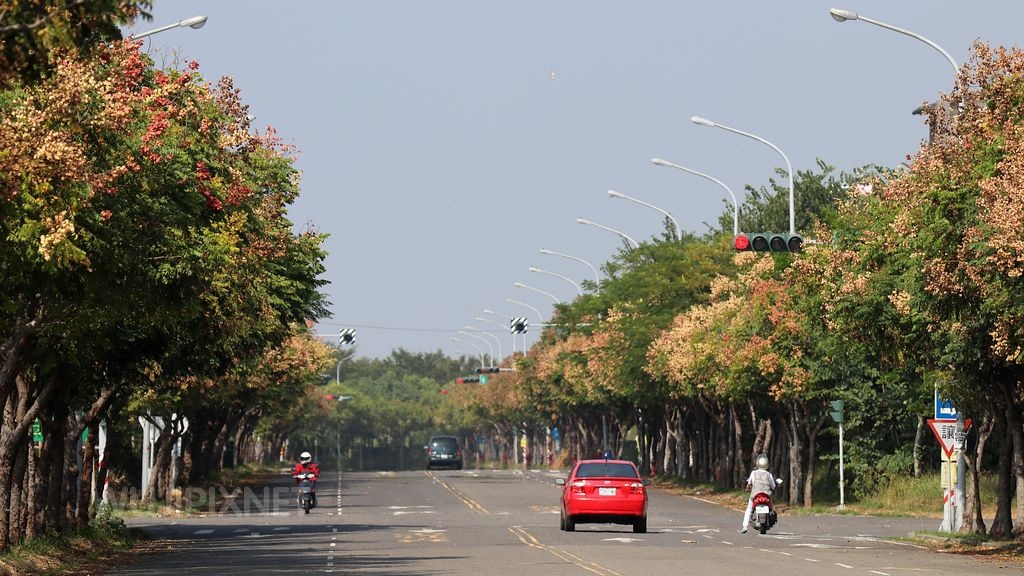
741,242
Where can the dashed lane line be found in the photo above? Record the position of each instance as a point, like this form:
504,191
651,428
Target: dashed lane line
531,541
472,504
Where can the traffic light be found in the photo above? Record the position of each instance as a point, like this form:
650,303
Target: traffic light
467,379
837,411
768,242
489,370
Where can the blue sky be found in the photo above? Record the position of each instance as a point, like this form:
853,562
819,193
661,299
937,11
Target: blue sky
443,144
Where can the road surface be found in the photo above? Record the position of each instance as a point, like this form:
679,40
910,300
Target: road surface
491,523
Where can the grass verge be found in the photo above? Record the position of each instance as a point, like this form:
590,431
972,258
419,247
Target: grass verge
105,538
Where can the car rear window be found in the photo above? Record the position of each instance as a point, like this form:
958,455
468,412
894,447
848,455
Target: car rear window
444,444
606,470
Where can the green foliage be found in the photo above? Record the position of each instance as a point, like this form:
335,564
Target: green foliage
31,31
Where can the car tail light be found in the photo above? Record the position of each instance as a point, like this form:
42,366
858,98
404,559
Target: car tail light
762,498
636,488
578,487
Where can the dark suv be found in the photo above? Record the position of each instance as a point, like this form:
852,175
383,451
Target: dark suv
444,451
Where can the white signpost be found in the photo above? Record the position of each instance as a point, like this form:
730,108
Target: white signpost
945,432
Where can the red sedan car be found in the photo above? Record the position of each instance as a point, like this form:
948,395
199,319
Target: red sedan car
604,491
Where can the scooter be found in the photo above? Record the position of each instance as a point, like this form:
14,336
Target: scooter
307,490
763,515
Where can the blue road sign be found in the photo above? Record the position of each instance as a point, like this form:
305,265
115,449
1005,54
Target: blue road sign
944,409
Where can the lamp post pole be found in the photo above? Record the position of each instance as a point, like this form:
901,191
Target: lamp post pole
840,15
735,204
193,22
503,327
482,339
340,399
614,194
705,122
567,279
537,312
539,291
597,278
485,333
623,235
474,345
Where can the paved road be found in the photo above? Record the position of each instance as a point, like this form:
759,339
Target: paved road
491,523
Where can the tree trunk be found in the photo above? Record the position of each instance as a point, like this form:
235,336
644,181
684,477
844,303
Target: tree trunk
917,445
974,521
1002,525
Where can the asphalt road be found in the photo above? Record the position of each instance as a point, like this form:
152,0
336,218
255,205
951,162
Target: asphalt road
490,523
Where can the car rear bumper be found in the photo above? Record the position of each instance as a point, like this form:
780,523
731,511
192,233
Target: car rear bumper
611,507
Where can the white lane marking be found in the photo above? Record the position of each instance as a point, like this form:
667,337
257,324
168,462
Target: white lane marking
237,530
404,512
202,532
812,560
843,565
880,573
279,528
785,553
623,540
727,542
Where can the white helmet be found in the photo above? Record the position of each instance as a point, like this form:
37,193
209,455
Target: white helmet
305,457
762,462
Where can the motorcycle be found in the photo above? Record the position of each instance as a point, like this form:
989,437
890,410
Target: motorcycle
307,490
763,515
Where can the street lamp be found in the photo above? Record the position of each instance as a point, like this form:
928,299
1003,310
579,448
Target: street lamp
597,278
567,279
705,122
504,327
539,315
614,194
482,339
193,22
500,355
735,204
340,399
622,234
474,345
539,291
840,15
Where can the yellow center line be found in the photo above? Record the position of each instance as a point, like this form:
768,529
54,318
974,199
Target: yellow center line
473,505
531,541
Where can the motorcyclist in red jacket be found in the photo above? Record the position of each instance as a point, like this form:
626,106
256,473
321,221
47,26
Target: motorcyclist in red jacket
306,465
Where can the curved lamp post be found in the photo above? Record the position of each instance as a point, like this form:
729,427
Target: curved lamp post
537,312
840,15
705,122
597,278
482,339
504,327
539,291
566,278
193,22
614,194
621,234
474,345
475,329
735,204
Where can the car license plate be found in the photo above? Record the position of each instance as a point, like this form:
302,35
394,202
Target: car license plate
606,491
761,510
